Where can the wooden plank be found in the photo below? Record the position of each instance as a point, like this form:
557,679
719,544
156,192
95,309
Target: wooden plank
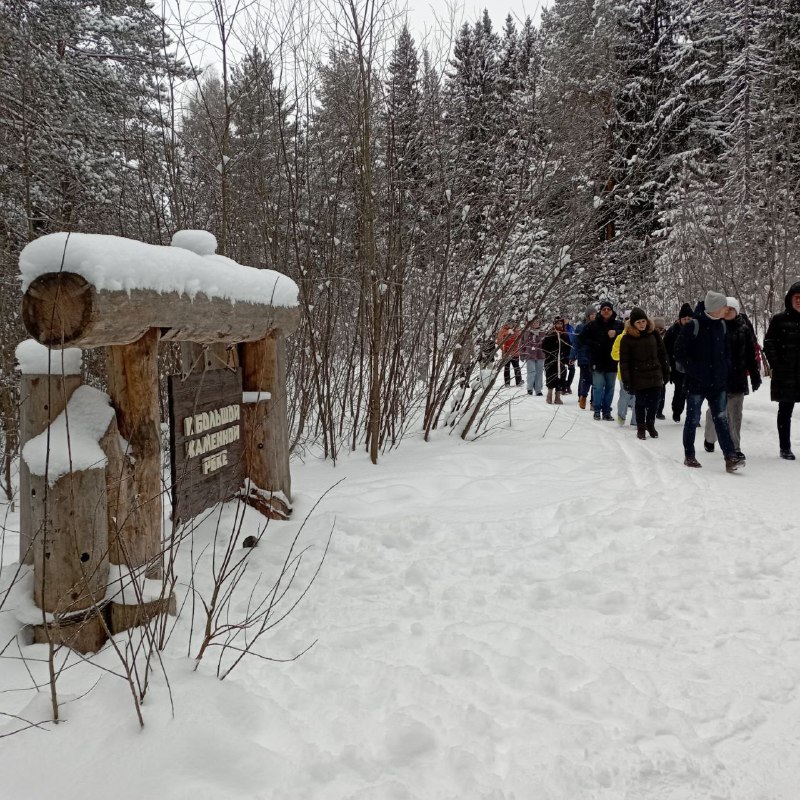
61,309
206,448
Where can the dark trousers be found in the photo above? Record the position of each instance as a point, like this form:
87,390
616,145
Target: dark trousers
785,425
512,362
718,406
647,405
661,400
679,398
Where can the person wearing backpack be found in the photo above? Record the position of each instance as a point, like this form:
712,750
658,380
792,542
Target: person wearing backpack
702,353
742,349
675,375
782,348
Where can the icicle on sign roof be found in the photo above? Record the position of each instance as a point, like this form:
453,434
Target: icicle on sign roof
112,263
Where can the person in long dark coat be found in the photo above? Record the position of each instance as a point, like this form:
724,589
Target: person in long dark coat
644,369
557,353
782,348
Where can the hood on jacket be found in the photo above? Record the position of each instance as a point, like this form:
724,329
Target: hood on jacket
793,289
633,331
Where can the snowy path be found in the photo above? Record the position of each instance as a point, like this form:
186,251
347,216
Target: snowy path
555,612
571,616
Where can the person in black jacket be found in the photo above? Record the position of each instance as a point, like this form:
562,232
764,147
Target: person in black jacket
742,349
702,352
782,347
557,353
598,336
644,369
676,376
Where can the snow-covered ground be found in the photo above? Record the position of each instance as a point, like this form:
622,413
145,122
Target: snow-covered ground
556,611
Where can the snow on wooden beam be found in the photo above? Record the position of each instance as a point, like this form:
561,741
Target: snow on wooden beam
89,290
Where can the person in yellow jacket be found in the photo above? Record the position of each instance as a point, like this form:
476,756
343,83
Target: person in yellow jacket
625,401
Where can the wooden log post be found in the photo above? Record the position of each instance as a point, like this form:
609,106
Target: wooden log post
70,557
69,514
133,388
42,397
265,428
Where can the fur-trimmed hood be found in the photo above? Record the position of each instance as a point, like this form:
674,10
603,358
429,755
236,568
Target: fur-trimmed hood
632,330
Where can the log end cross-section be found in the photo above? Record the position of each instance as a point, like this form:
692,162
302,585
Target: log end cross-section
57,308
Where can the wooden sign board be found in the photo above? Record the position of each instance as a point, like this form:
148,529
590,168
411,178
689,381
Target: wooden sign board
206,448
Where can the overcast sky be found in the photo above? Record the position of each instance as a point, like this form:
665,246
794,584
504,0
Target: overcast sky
423,13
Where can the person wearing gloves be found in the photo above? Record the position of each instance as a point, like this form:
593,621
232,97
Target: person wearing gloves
701,351
644,369
742,348
782,348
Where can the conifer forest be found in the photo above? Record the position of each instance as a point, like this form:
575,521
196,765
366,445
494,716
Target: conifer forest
420,192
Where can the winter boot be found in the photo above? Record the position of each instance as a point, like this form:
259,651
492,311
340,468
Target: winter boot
550,396
582,402
651,429
786,452
640,432
558,400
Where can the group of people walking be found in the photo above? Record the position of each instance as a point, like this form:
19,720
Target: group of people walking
709,354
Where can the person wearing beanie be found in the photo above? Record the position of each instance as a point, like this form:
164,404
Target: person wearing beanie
782,348
742,349
583,356
598,337
685,316
715,302
702,351
644,368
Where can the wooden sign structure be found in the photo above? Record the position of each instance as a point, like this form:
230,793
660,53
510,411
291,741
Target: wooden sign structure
64,308
206,446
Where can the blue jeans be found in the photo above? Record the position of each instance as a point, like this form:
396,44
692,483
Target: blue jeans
624,402
718,406
603,389
534,373
585,380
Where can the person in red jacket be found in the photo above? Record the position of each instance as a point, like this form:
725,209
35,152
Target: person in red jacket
508,340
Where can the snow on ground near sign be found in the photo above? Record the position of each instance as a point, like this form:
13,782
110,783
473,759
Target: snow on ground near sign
557,611
113,263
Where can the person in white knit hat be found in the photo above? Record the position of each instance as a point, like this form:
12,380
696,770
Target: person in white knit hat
742,349
702,351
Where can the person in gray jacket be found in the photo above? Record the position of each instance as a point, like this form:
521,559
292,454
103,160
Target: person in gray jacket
532,354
